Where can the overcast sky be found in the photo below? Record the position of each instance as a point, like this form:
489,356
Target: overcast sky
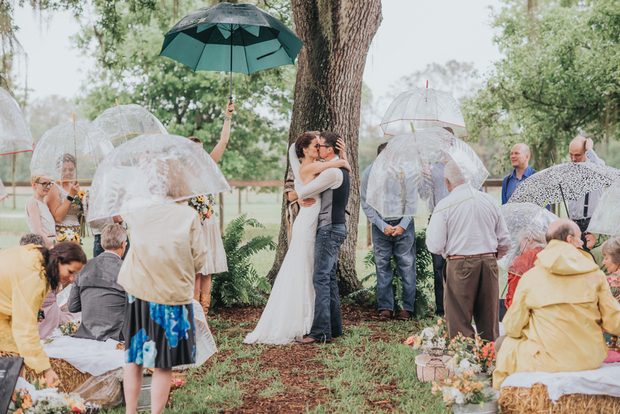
413,33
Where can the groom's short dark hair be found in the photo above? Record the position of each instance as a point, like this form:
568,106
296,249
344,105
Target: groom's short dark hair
331,139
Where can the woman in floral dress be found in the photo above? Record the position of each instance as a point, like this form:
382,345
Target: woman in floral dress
611,254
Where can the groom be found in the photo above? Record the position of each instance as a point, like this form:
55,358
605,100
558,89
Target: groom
333,185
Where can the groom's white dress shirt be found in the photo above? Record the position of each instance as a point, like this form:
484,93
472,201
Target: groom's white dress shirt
330,178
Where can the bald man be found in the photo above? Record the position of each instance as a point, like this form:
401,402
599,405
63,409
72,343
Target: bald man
520,159
580,210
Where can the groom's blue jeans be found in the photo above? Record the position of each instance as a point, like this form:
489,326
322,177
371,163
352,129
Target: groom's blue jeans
327,322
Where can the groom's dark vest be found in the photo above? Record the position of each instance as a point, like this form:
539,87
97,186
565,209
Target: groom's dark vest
334,202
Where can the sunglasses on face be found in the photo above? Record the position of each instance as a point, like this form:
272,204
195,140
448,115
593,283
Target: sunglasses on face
45,185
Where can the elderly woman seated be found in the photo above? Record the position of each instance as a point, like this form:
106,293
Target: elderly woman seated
96,292
611,254
532,242
559,308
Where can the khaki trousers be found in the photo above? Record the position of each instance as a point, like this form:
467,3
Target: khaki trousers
472,291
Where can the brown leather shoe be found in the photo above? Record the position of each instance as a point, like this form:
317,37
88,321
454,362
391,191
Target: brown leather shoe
385,315
306,341
403,315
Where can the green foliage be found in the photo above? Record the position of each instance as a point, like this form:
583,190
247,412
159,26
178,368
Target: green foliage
188,103
559,77
241,285
424,279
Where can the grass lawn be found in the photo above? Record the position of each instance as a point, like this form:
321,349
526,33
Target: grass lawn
368,370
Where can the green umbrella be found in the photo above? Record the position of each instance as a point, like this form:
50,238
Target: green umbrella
231,37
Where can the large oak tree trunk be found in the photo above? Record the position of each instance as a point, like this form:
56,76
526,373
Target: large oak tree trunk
328,88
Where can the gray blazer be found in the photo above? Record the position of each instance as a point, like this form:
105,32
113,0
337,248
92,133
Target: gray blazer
100,298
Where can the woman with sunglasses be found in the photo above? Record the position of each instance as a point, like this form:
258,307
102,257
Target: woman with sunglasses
38,215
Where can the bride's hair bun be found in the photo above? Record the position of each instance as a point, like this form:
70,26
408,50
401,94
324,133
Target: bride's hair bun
303,141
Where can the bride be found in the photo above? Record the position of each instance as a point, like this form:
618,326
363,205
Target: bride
290,309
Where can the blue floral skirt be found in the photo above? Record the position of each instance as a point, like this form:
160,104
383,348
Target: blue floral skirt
158,336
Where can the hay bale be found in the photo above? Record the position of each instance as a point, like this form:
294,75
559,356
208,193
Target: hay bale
70,377
535,400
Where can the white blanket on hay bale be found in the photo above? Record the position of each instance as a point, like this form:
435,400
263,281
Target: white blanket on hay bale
601,381
97,358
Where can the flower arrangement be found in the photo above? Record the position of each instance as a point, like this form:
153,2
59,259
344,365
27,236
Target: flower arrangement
431,340
44,398
475,355
78,202
65,234
465,390
69,328
203,205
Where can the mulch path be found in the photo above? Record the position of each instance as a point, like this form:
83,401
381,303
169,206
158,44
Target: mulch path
298,367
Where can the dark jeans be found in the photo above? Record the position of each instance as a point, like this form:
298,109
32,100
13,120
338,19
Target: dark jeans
327,322
403,249
97,249
438,264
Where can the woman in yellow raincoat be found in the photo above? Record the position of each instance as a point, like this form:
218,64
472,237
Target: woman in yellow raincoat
555,321
27,273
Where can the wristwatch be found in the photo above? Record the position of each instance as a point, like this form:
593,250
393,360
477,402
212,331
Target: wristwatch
70,198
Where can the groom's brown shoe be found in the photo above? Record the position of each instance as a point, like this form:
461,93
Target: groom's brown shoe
385,315
306,341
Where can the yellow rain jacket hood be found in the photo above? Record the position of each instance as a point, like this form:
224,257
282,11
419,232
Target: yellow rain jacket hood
555,321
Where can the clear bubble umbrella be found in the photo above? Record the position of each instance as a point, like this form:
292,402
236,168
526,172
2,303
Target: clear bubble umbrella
3,193
397,177
124,122
152,170
606,217
425,108
15,133
527,224
70,152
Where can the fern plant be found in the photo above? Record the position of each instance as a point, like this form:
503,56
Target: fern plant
241,285
424,280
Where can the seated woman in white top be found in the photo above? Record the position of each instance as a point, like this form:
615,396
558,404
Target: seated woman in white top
38,215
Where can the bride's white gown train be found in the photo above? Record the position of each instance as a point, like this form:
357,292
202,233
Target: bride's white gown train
290,309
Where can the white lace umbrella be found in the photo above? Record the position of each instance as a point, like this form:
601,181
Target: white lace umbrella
606,217
152,170
15,133
425,108
564,182
397,177
70,152
124,122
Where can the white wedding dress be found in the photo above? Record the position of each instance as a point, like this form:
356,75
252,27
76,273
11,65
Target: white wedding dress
290,309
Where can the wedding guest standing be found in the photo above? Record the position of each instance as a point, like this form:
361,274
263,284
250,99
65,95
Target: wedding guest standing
391,237
470,232
519,159
38,215
581,210
168,249
96,292
216,255
60,197
27,274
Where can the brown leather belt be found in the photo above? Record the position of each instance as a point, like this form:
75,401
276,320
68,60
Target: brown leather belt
471,255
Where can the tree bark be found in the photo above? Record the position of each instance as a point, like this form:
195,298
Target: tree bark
328,88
